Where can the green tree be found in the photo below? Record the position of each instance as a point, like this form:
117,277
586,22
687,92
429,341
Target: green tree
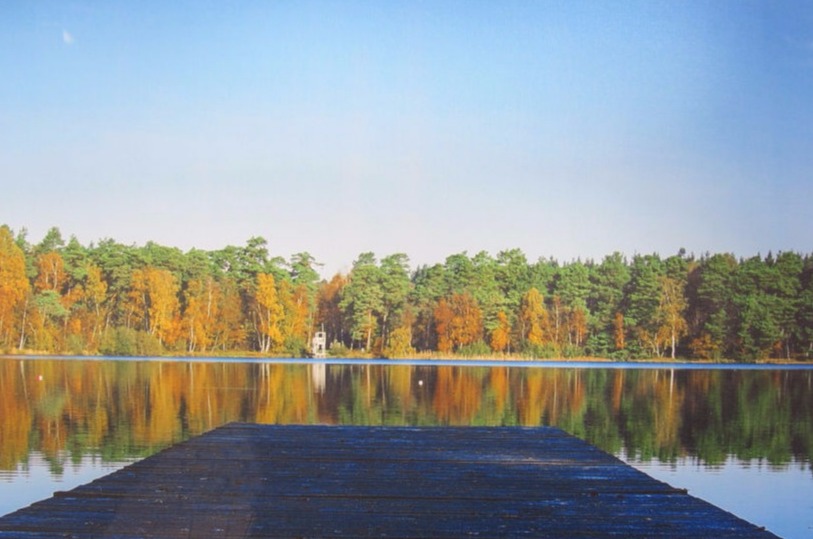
76,259
459,274
513,277
487,291
710,291
786,288
49,307
51,242
572,284
395,287
569,307
804,314
429,285
303,273
362,299
117,263
643,298
759,308
607,283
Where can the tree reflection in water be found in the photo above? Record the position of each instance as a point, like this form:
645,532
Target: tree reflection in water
126,409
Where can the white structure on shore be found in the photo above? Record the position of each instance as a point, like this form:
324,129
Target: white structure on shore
319,344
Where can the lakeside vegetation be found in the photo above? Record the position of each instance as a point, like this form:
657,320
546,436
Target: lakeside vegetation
59,296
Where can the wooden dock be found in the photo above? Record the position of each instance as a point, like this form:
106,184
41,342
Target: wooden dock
245,480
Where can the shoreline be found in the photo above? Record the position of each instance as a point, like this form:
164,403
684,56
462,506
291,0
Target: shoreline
448,360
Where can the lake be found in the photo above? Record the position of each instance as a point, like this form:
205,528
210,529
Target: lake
737,436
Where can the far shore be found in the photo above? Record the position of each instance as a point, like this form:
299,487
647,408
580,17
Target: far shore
421,357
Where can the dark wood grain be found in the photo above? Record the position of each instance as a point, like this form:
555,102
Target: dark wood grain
246,480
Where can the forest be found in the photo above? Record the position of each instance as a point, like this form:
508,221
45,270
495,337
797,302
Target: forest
107,298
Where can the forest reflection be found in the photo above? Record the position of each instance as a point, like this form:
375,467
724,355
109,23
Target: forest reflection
126,409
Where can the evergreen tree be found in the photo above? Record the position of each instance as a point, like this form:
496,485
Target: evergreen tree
362,299
395,287
643,297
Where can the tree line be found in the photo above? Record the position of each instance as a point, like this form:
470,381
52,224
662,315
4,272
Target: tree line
108,298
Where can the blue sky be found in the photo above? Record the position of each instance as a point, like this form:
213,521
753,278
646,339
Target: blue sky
567,129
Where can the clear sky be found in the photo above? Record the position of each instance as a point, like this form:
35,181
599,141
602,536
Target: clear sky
565,128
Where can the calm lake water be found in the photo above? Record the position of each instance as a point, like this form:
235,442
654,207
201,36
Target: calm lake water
741,438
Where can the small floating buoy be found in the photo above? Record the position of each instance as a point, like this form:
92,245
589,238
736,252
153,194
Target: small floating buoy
420,382
39,378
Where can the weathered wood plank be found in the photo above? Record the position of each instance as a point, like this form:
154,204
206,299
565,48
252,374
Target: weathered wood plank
271,481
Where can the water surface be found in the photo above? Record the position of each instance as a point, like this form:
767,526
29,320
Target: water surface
741,438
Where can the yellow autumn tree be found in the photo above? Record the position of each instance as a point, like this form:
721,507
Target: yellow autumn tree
95,298
50,272
577,325
202,297
229,332
154,294
399,345
534,319
295,325
670,314
269,313
300,313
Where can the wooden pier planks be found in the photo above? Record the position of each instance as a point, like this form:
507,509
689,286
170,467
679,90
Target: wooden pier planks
246,480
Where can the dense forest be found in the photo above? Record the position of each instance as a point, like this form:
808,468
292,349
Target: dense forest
115,299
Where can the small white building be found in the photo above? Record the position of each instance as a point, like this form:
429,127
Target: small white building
319,344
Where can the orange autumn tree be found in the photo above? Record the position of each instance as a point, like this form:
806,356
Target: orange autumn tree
458,322
501,336
443,325
13,285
